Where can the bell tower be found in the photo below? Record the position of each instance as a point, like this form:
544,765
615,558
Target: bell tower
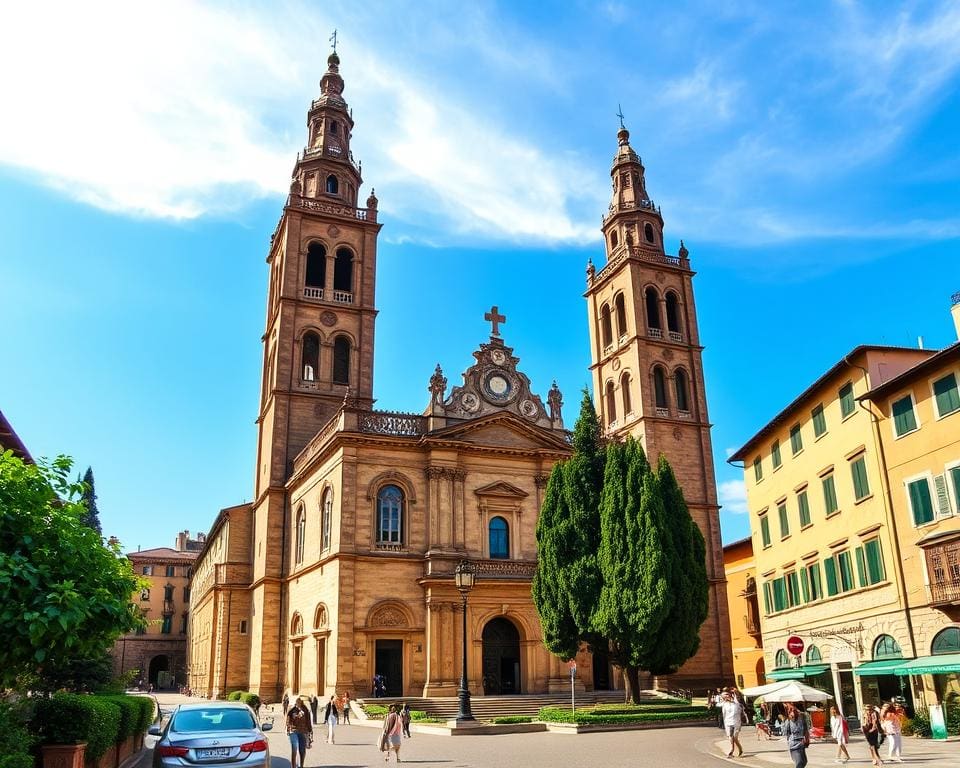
317,343
648,375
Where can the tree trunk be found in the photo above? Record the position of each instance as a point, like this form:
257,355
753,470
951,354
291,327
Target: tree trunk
631,679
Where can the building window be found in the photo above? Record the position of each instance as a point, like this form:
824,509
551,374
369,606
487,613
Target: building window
765,531
183,624
869,563
168,592
781,660
847,403
653,308
673,313
301,532
946,641
829,494
784,520
171,570
660,388
904,417
861,487
614,240
316,267
242,627
839,570
390,515
343,271
606,327
885,647
792,586
946,395
148,570
810,581
813,655
775,454
341,360
804,505
625,394
611,404
680,385
333,186
767,598
819,421
326,520
796,440
648,232
779,595
167,625
921,505
186,594
144,595
499,538
757,469
621,310
310,356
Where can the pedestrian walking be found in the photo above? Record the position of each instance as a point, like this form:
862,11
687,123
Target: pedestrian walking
345,709
314,706
405,718
873,732
330,718
391,735
892,724
286,703
797,733
300,731
841,733
733,715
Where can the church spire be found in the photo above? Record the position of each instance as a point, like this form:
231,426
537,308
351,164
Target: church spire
633,218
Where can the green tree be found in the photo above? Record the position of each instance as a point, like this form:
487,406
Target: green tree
89,500
63,593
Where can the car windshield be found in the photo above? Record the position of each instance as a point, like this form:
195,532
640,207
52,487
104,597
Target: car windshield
203,720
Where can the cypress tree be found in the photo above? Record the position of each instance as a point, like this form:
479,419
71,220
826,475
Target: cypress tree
89,500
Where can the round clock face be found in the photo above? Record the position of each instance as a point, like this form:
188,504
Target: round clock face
498,387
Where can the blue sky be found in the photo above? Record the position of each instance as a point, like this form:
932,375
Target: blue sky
806,153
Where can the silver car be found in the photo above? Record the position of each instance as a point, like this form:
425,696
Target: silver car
212,734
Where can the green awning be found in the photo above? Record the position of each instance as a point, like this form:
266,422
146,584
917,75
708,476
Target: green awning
943,664
880,667
797,673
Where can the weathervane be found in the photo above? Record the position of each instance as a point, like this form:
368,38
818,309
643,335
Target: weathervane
333,40
619,113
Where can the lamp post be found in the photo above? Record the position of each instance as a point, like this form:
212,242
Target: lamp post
464,575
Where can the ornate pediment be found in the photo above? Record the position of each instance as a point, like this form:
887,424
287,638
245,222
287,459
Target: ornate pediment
501,490
503,430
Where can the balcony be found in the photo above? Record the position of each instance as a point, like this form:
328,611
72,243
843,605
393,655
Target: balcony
676,337
655,333
168,609
752,625
945,592
312,292
342,297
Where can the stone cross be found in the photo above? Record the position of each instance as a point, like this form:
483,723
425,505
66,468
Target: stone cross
333,40
620,115
494,318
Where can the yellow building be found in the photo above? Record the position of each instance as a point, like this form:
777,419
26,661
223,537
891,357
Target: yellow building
740,569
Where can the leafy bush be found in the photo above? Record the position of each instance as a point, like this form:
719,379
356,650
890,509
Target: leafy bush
16,740
375,710
511,719
235,695
588,716
69,718
416,714
129,715
251,700
147,712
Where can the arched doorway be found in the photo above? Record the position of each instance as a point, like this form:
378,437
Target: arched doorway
501,657
159,672
761,672
601,667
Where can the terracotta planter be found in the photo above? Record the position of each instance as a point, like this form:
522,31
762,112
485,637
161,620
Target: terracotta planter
63,755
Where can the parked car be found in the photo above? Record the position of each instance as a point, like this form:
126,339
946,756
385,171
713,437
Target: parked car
211,734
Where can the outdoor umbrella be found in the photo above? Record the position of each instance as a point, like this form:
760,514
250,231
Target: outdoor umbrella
796,691
763,690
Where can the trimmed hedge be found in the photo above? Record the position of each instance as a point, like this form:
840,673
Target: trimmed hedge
251,700
235,695
588,716
101,721
375,710
510,720
129,715
16,741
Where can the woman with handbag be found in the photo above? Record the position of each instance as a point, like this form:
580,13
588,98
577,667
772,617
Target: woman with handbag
797,733
330,715
300,731
873,733
392,733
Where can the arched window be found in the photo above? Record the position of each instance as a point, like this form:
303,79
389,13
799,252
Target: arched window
606,331
390,515
333,186
782,660
316,266
614,239
673,312
296,625
343,271
648,232
301,532
813,654
946,641
885,647
611,404
660,387
334,127
499,538
625,394
341,360
310,359
326,520
653,308
680,385
620,308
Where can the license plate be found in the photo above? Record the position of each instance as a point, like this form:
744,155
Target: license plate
206,754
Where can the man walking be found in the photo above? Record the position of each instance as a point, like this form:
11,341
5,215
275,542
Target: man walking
733,715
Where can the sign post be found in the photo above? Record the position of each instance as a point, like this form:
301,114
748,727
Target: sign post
795,645
573,676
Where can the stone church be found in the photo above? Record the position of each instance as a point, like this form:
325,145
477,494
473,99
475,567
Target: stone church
342,566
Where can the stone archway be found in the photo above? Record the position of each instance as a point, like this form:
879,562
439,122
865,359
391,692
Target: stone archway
159,671
501,657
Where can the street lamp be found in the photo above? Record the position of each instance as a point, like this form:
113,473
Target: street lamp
464,575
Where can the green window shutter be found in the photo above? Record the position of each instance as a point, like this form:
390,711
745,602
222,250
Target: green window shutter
861,568
779,595
955,480
757,469
796,439
904,419
948,398
819,421
765,530
804,587
804,505
775,454
861,487
830,567
846,571
816,589
847,403
766,597
794,591
920,501
874,558
784,521
829,494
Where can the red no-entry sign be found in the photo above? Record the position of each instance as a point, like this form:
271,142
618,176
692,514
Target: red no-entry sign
795,645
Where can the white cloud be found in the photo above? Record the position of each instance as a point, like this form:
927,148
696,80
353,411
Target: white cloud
703,92
733,496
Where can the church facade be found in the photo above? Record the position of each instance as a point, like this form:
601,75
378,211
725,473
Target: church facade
341,568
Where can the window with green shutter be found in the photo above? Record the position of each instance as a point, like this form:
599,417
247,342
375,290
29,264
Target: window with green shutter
946,394
812,573
784,520
775,454
861,487
874,558
805,585
861,567
819,421
757,469
793,589
829,494
921,504
904,419
845,570
767,599
954,473
779,595
796,440
804,506
847,404
765,530
830,569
